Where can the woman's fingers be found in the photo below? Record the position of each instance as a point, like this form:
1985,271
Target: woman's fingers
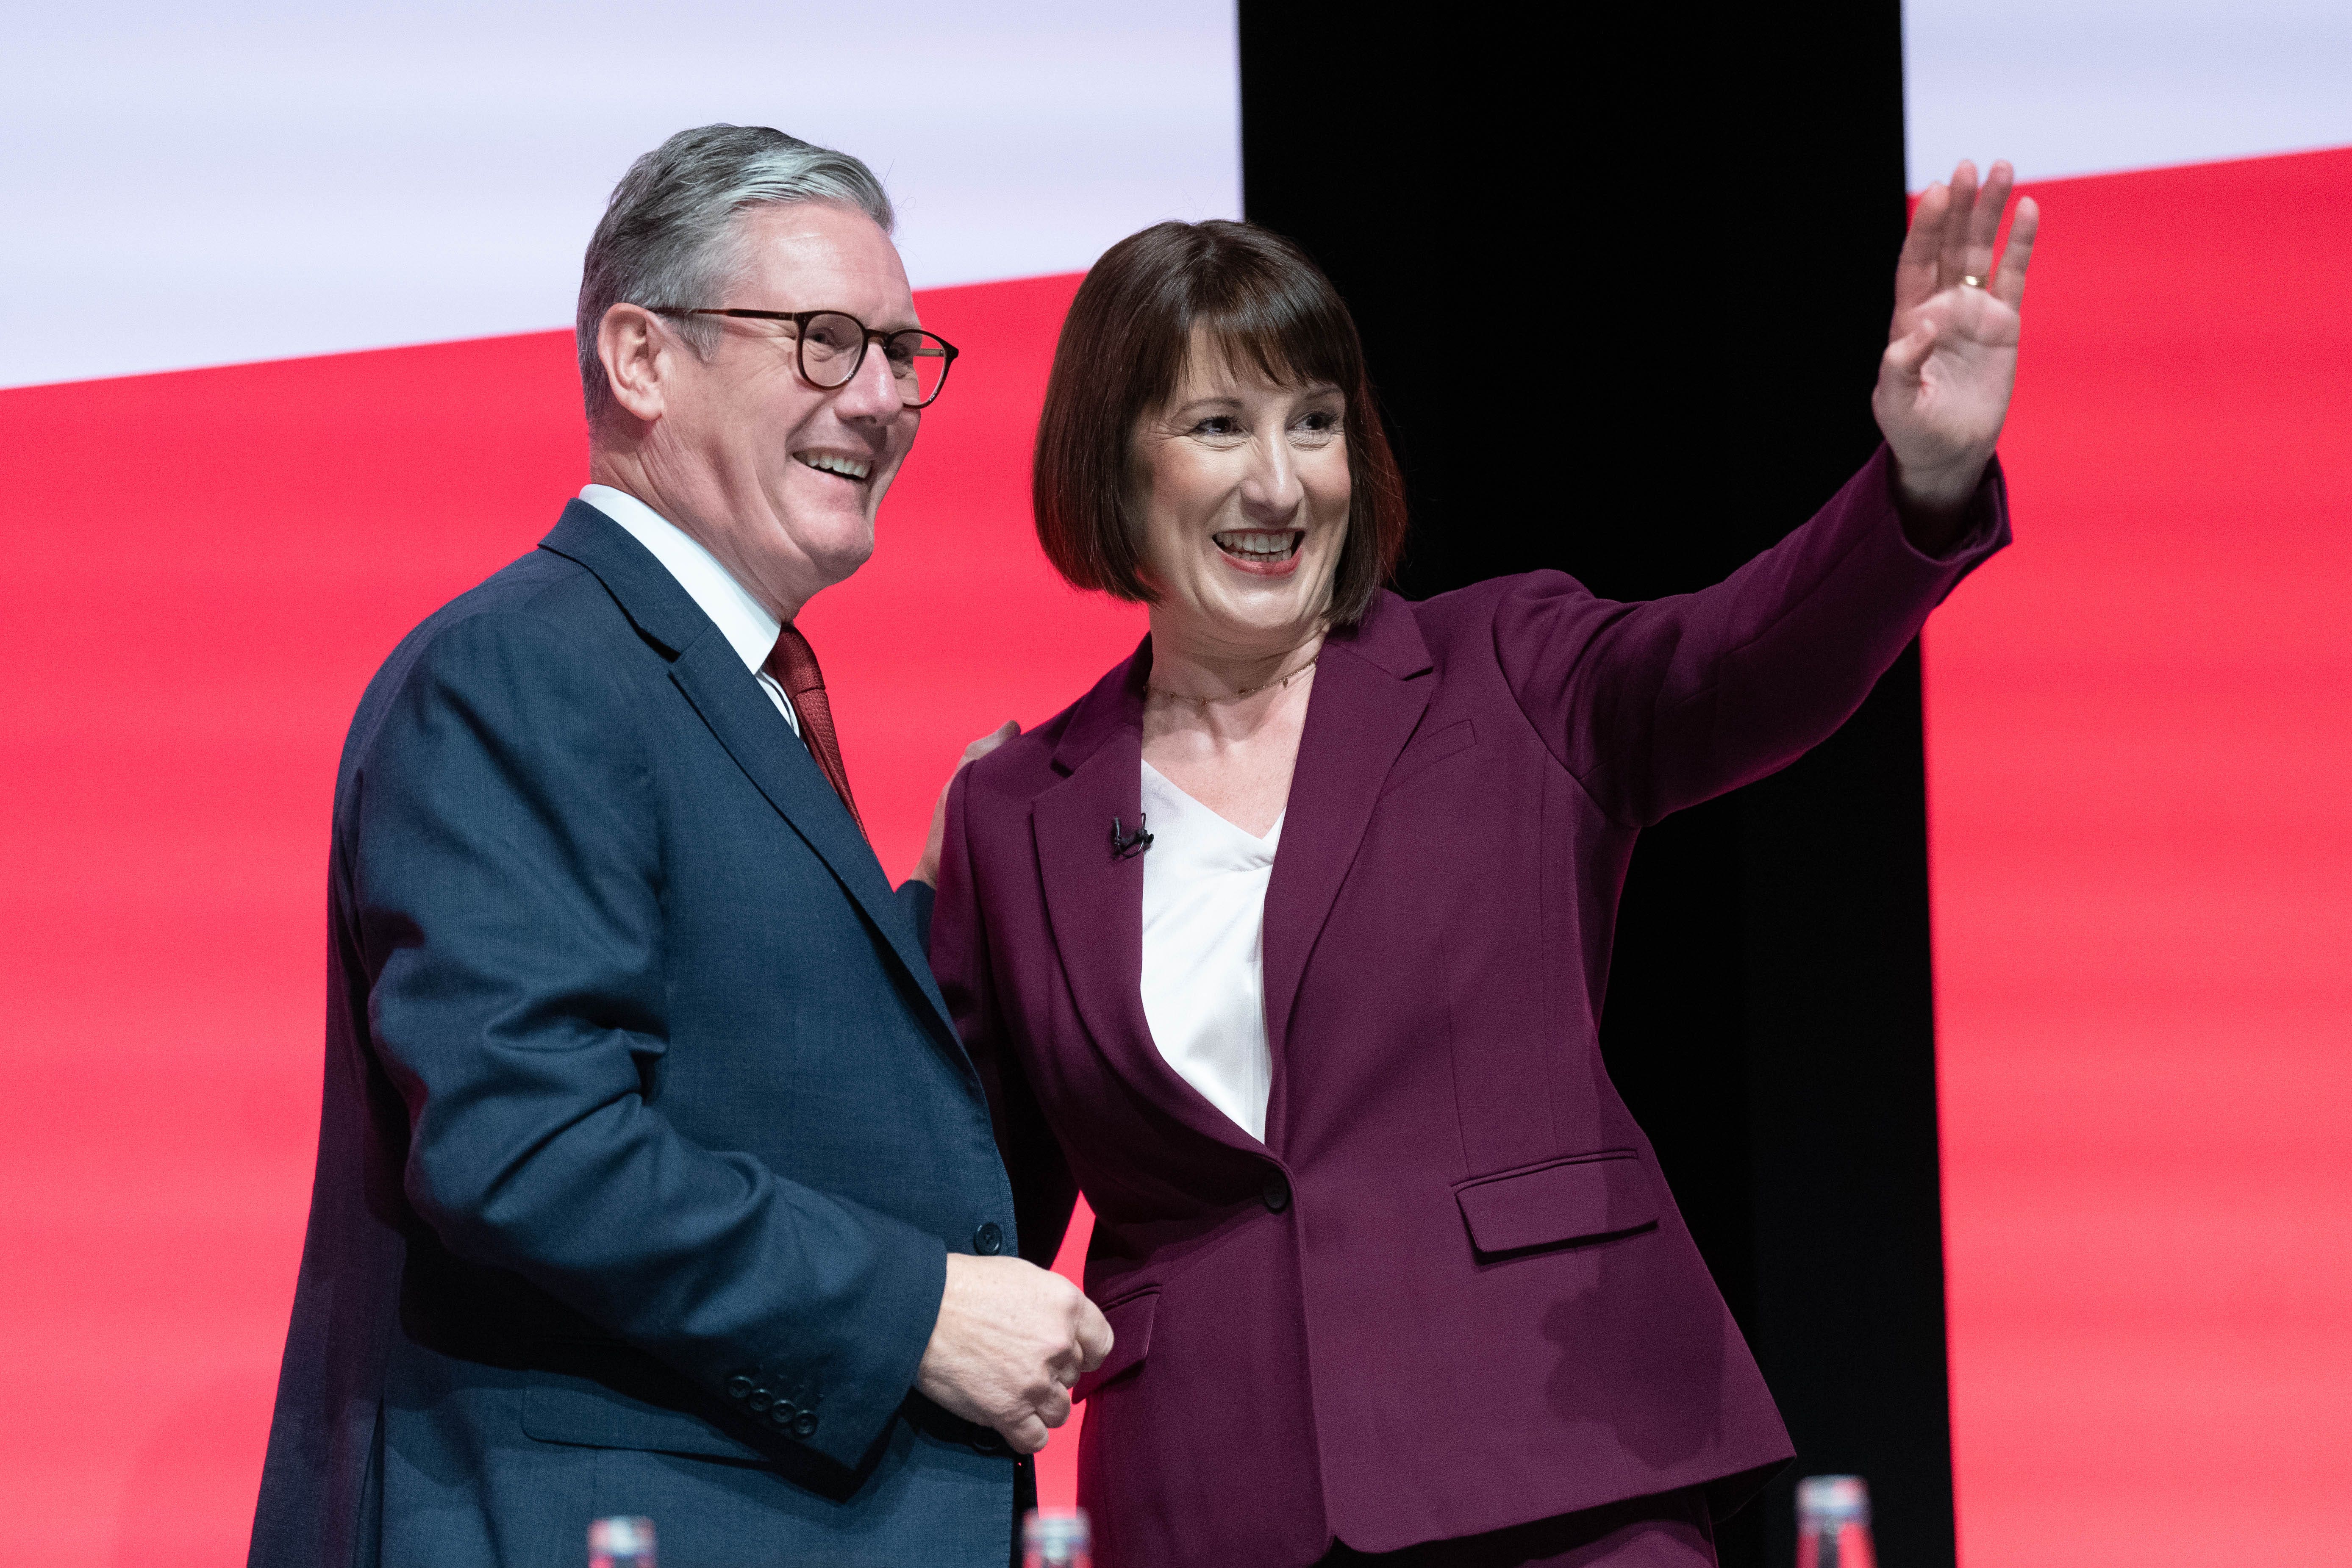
1984,222
2009,282
1915,271
1906,354
1952,262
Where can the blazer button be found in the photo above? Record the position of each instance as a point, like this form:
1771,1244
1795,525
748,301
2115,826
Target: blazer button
739,1387
1276,1193
988,1240
804,1424
758,1400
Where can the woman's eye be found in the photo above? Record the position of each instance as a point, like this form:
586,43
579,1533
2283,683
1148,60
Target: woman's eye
1218,424
1320,423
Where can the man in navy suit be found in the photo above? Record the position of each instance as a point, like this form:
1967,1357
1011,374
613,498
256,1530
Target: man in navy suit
651,1178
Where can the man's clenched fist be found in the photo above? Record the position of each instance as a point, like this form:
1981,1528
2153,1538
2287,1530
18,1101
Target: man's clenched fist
1010,1340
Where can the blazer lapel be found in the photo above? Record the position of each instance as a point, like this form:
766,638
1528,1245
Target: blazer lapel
1094,898
705,669
1364,707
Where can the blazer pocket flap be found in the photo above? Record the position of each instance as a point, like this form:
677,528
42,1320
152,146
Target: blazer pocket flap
1130,1334
589,1415
1566,1200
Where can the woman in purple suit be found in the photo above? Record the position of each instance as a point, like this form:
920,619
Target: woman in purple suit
1285,943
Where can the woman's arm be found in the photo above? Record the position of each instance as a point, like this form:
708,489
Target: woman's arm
1657,706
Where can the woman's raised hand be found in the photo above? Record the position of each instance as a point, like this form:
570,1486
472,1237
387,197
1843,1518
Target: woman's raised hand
1952,356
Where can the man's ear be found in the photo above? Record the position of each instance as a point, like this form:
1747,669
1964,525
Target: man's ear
637,350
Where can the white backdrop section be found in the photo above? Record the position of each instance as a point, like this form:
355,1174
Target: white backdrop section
191,186
2082,87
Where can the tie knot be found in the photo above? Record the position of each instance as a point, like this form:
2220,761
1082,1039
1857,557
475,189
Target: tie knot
793,663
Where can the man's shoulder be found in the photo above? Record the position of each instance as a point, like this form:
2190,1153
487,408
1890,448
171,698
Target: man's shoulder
540,617
539,586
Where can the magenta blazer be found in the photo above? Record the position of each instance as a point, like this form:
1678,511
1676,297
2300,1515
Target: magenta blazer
1451,1292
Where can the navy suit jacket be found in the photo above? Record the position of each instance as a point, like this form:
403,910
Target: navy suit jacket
647,1134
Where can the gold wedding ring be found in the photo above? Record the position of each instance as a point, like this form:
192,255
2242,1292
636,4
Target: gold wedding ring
1971,280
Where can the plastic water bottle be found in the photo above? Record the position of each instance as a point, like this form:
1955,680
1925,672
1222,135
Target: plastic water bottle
1834,1524
620,1542
1057,1538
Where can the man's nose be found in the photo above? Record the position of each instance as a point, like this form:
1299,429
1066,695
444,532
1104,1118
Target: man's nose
873,392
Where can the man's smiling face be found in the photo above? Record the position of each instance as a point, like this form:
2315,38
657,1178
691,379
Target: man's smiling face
782,478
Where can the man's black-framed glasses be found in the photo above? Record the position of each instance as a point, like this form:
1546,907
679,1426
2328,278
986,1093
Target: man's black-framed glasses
832,344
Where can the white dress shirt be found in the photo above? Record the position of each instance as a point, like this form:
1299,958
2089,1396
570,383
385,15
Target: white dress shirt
741,619
1204,950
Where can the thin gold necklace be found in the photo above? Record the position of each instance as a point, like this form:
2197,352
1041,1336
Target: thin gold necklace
1244,691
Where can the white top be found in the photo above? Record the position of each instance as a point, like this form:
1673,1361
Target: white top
1204,950
741,619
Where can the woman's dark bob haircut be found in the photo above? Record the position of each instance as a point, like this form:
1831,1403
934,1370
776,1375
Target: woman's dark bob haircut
1123,353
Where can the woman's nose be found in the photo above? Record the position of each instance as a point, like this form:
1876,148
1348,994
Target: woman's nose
1271,491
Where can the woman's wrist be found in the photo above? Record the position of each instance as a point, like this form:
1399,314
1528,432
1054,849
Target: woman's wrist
1935,503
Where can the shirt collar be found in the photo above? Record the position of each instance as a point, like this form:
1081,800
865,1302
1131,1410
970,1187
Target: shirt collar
741,619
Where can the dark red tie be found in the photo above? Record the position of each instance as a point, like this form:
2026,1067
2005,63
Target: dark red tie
793,665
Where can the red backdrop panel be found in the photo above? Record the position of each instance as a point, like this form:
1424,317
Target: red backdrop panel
2140,740
204,570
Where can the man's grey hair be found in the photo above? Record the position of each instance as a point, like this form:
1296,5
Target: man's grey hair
669,236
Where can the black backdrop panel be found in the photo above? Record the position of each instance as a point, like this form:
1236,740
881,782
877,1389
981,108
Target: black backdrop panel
1623,277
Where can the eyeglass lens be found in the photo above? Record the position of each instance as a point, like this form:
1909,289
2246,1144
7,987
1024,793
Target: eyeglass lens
830,346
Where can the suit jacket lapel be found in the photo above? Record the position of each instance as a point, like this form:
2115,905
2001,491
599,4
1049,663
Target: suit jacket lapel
1095,900
1364,707
706,669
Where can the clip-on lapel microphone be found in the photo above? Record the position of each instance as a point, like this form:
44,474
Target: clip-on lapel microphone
1125,846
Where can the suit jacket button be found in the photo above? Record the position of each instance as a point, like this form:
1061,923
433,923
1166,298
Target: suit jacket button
988,1240
758,1400
783,1415
1276,1193
739,1387
804,1424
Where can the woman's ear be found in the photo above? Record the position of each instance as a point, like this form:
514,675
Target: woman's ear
634,349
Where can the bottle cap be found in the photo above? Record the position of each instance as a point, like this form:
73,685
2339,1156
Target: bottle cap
1057,1535
630,1539
1824,1501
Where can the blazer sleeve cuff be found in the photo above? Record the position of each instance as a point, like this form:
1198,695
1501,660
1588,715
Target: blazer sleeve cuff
850,1410
1985,532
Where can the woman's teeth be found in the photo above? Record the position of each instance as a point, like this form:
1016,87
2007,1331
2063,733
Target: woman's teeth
834,463
1266,548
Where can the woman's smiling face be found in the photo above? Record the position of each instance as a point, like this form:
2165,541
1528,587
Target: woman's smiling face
1241,484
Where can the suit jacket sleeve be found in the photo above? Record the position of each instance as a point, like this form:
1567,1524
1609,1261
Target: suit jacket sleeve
507,889
1045,1192
1657,706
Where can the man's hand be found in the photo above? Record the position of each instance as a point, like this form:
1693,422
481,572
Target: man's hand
1951,357
927,870
1011,1340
